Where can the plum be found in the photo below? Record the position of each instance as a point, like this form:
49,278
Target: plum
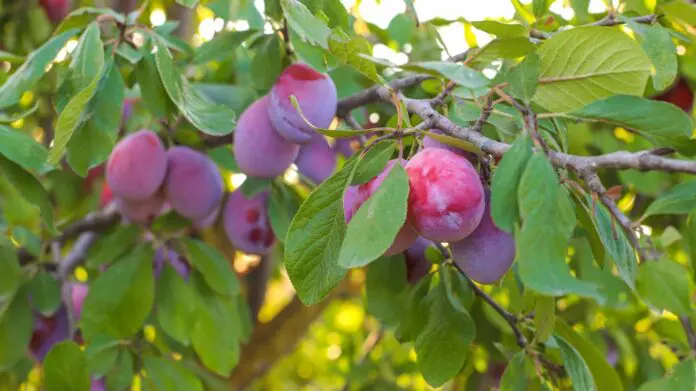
48,331
137,166
128,106
355,196
417,265
76,292
97,385
317,160
446,200
487,254
247,224
141,212
171,257
258,148
316,96
56,9
208,220
348,146
679,94
193,184
430,142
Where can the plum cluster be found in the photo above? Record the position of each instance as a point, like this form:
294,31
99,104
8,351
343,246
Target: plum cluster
142,177
271,134
447,203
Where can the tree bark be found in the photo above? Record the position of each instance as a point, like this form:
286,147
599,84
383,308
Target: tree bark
124,6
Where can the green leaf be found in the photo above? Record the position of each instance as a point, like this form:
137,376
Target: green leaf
680,199
307,26
91,56
213,265
154,96
253,186
515,377
218,351
524,78
502,48
11,58
190,4
548,221
375,225
605,377
21,148
109,248
386,289
222,45
267,62
176,305
32,70
459,73
615,242
443,344
236,97
659,47
589,63
662,123
121,298
665,285
10,272
315,236
541,7
501,30
16,113
16,322
102,354
30,188
45,293
415,315
209,118
121,376
166,375
92,142
81,17
65,368
544,317
281,208
579,373
506,180
373,162
352,51
683,376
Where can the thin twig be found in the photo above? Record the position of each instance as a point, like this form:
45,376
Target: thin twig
370,343
690,333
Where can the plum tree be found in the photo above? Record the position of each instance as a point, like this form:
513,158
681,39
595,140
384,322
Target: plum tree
48,331
168,256
487,254
355,196
316,96
56,9
247,224
431,142
417,265
317,160
142,211
137,166
446,199
193,184
258,148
